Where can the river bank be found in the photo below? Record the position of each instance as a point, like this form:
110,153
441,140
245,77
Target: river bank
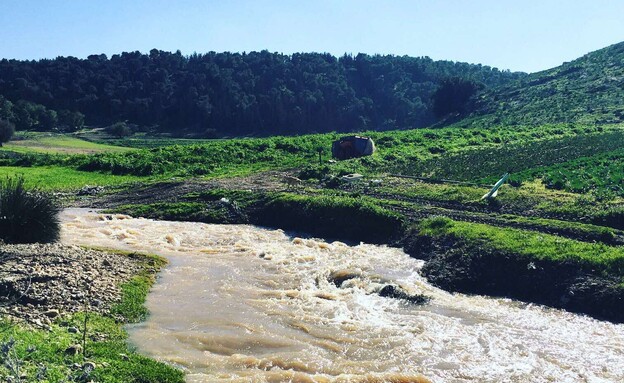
561,273
63,311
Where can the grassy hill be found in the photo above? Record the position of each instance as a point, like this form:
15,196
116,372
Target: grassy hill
589,89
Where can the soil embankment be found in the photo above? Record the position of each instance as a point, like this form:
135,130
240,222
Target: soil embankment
459,265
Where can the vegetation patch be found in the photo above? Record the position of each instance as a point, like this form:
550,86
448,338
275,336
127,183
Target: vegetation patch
207,212
60,178
601,174
469,154
536,246
34,142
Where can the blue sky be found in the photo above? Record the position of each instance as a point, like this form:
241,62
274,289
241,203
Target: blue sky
517,35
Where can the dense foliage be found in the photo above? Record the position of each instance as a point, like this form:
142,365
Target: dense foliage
231,94
30,115
27,216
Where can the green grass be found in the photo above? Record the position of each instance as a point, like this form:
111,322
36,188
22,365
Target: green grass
329,215
444,153
59,178
138,142
115,361
134,292
539,246
601,174
473,154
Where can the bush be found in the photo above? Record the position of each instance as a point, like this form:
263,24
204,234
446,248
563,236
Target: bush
27,216
7,130
119,129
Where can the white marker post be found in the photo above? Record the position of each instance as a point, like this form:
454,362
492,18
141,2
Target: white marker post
494,191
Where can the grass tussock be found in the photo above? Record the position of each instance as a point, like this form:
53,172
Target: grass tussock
27,216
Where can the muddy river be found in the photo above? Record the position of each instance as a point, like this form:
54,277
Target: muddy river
239,303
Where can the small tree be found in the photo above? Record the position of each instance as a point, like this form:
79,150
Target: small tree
7,130
119,129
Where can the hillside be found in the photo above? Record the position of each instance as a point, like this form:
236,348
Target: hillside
232,94
586,90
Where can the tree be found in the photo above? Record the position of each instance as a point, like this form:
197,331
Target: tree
70,121
7,130
119,129
452,96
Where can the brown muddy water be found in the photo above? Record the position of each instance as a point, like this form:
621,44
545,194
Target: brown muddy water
240,303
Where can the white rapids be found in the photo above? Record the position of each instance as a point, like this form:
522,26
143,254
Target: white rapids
239,303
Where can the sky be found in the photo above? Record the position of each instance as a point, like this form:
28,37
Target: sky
526,36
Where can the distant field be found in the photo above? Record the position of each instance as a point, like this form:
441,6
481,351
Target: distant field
138,140
152,142
58,144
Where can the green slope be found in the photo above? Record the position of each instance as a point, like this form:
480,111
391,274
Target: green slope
589,89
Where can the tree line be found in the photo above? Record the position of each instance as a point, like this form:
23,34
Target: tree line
235,94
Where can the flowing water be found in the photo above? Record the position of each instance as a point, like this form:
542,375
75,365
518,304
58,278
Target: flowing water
240,303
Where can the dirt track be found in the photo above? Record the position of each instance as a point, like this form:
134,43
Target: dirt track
175,190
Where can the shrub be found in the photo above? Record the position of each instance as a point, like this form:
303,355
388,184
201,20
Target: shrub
27,216
7,130
119,129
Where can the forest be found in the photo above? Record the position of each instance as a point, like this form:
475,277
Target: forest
240,94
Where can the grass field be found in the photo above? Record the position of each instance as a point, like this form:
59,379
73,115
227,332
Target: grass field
58,178
534,245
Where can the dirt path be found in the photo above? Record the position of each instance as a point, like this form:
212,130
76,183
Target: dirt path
175,190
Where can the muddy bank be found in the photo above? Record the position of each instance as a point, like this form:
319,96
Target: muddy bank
344,218
41,282
458,265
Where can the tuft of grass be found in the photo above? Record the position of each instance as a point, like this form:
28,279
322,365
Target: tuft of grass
27,216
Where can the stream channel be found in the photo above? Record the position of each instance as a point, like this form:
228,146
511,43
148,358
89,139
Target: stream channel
240,303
